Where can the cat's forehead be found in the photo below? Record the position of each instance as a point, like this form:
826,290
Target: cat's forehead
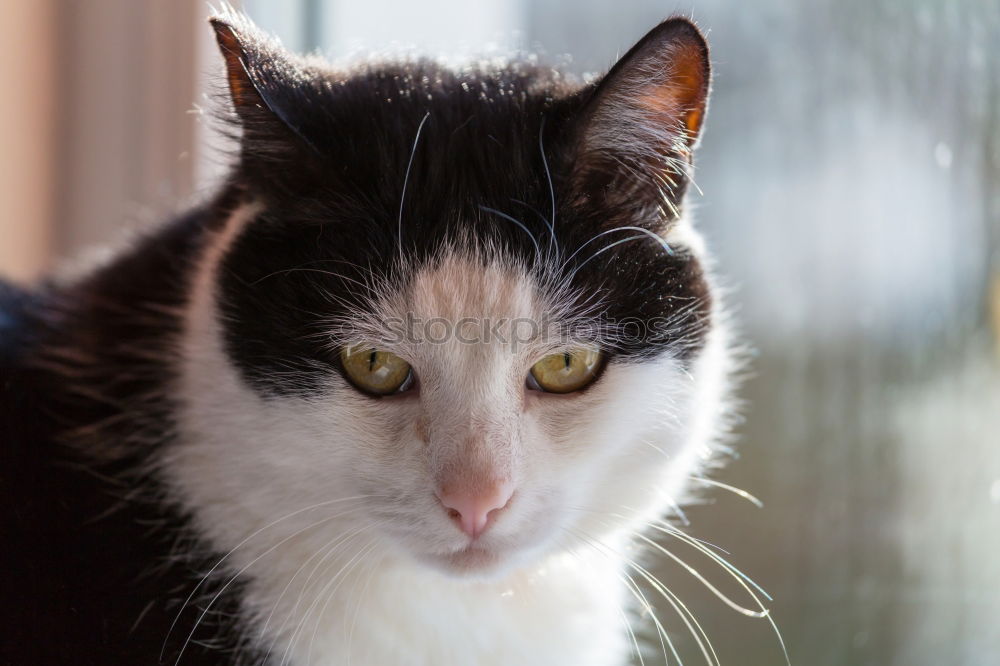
461,285
465,304
477,130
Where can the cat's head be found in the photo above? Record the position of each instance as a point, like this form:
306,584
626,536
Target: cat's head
459,311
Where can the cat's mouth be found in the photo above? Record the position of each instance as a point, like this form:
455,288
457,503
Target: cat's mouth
473,558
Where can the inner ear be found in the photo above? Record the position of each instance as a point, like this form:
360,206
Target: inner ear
644,117
242,90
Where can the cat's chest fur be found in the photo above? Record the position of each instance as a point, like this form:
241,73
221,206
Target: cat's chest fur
567,611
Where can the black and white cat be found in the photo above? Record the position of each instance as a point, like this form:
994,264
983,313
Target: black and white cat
403,392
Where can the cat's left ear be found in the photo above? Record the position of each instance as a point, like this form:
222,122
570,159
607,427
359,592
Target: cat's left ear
643,119
267,85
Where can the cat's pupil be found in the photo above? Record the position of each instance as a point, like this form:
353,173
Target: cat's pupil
371,361
566,359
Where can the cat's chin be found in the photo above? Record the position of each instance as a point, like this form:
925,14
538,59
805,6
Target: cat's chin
474,561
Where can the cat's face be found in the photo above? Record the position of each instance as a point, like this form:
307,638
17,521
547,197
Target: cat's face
458,313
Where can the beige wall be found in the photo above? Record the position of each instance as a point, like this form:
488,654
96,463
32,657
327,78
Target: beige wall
128,87
102,136
27,136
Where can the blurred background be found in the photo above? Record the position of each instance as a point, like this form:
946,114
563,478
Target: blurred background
851,179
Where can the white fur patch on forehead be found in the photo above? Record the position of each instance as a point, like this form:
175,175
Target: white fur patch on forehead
464,285
471,298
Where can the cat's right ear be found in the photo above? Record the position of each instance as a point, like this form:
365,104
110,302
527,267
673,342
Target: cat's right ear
642,121
267,84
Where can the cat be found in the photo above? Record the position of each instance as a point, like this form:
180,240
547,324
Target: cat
403,391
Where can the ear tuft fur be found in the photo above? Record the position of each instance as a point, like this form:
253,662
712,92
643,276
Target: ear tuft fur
645,116
267,85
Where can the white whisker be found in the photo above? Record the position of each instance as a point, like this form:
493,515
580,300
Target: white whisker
341,575
406,181
373,567
548,176
733,489
327,550
237,575
704,581
237,547
538,251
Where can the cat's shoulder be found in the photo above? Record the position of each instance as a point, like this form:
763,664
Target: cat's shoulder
18,335
15,304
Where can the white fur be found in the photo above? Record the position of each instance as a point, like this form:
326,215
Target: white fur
257,475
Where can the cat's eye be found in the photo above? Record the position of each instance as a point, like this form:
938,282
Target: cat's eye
376,371
567,371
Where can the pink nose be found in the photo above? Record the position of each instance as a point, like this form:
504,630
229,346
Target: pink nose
472,508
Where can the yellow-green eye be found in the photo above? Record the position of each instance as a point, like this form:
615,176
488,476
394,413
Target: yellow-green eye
566,372
375,371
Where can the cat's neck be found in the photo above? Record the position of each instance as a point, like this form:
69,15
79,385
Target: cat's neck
410,614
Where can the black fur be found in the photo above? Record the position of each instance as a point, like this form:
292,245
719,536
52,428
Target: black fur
95,557
489,140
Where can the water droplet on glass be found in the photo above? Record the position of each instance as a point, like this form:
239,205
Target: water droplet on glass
942,154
